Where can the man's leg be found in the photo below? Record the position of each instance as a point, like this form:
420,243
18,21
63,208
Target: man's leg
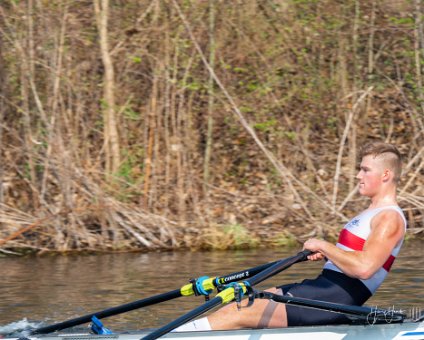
262,314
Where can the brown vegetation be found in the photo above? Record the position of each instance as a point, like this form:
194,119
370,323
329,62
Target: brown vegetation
162,124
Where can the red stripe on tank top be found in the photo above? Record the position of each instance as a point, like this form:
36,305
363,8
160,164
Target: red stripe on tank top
389,263
350,240
354,242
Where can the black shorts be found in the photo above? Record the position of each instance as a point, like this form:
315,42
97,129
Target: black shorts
330,286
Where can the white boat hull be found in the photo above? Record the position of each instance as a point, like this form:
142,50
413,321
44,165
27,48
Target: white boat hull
402,331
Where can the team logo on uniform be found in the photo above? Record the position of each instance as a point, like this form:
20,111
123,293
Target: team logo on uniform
353,223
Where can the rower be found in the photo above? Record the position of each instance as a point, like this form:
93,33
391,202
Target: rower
355,267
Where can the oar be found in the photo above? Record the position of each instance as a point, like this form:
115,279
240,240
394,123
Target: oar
228,294
278,267
371,315
187,290
109,312
225,296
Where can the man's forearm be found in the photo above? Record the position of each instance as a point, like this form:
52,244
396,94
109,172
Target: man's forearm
352,263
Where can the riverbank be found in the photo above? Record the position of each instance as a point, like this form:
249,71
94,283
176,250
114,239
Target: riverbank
266,233
153,125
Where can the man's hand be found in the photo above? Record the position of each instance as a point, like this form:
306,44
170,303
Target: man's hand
314,245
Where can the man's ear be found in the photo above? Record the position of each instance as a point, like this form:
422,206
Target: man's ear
387,175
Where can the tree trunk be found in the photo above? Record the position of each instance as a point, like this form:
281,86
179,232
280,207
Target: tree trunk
419,48
111,137
2,111
209,132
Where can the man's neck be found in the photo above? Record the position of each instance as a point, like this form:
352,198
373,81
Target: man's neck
383,199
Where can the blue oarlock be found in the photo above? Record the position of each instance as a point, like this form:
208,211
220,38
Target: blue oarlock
199,289
97,326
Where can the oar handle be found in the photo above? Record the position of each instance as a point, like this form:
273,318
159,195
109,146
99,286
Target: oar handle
306,253
247,273
279,266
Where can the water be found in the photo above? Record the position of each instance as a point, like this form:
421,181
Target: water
57,288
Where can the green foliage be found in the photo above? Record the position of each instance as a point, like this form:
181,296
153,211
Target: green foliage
291,135
402,21
131,168
284,239
136,59
240,236
240,70
332,123
266,126
192,86
104,104
252,86
125,171
246,109
130,114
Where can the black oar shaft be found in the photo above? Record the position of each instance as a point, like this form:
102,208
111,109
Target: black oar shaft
278,267
109,312
216,301
244,274
355,311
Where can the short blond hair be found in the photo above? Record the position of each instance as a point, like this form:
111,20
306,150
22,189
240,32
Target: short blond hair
386,152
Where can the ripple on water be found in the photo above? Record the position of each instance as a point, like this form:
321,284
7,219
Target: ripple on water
18,328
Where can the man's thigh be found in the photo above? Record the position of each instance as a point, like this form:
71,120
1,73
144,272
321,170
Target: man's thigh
318,289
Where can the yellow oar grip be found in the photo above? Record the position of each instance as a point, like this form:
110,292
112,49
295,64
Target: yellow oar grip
208,284
227,295
188,290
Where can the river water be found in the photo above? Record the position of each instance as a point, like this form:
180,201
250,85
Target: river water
57,288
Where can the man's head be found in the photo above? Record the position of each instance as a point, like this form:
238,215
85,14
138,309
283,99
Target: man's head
387,155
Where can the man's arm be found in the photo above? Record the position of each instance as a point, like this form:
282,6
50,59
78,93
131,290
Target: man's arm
387,229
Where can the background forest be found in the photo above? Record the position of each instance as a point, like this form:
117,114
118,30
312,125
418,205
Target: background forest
165,124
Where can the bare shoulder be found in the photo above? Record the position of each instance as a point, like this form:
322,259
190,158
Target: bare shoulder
388,222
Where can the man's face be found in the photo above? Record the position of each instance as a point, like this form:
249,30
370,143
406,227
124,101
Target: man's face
370,175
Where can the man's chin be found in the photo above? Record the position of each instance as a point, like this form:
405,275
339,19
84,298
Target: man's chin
363,192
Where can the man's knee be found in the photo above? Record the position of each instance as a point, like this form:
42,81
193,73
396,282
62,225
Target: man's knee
262,314
274,314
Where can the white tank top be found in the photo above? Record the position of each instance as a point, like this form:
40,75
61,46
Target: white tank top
353,236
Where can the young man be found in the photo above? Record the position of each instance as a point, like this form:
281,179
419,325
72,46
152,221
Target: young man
355,267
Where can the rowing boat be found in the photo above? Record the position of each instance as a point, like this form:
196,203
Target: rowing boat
406,331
